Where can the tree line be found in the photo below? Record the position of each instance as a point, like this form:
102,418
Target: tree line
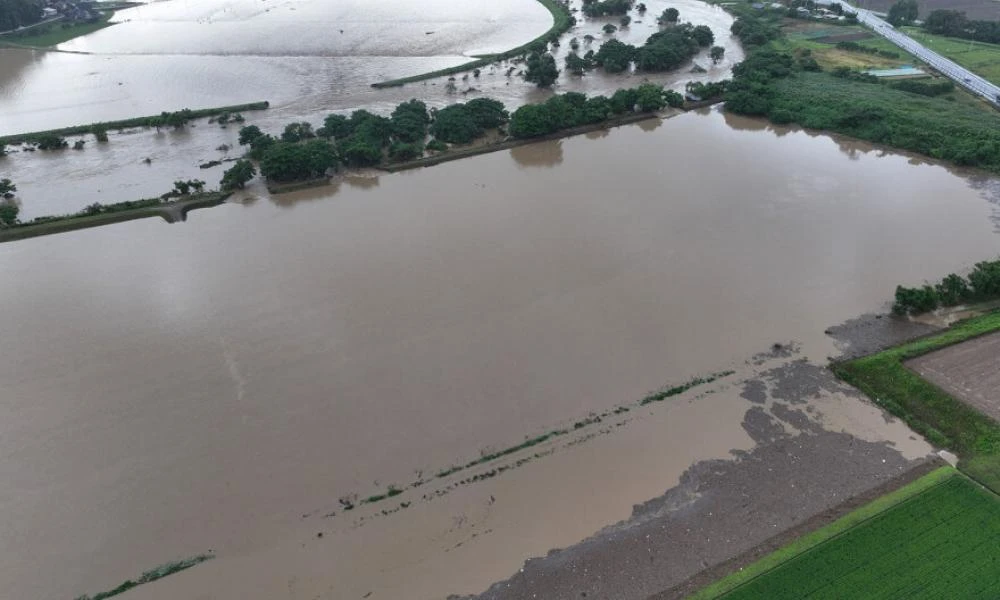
982,284
954,23
364,139
19,13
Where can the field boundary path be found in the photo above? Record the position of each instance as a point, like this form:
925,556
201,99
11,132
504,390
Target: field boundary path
960,75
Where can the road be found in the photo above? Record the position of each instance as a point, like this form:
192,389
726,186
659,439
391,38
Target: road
960,75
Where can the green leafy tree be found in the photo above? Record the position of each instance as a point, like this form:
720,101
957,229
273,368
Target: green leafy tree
455,124
400,151
237,176
650,97
669,15
19,13
542,70
903,12
248,134
335,126
703,35
409,122
8,213
285,161
625,20
7,188
361,151
51,142
577,65
609,28
296,132
615,56
623,101
260,144
487,113
717,52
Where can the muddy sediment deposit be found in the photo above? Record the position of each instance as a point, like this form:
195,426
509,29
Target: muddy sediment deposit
721,509
223,383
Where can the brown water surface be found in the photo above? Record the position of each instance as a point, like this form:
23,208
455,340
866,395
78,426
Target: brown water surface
169,389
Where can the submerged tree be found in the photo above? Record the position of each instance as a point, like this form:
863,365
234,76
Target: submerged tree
717,52
237,176
542,70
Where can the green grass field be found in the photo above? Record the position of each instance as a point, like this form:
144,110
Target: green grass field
978,57
56,33
935,538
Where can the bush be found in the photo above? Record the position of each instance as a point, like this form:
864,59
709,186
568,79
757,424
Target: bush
51,142
982,284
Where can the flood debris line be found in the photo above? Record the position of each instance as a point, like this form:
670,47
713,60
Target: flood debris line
349,502
150,576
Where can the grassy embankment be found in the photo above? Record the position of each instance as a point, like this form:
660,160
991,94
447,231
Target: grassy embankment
150,121
777,81
55,33
942,419
934,538
114,213
562,21
979,57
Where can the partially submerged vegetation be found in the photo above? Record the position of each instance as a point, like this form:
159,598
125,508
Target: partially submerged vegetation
981,285
363,139
150,576
173,208
941,528
942,419
165,119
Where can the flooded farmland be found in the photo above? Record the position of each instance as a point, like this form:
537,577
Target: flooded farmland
486,337
169,55
221,384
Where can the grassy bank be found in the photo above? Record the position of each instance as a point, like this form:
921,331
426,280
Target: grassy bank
56,33
782,80
942,419
979,57
149,121
941,530
120,213
562,21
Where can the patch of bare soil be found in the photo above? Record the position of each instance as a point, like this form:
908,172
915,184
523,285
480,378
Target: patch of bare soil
847,37
970,371
868,334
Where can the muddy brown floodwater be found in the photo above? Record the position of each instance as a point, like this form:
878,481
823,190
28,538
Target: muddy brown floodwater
219,384
169,55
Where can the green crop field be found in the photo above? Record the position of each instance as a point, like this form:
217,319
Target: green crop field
944,542
980,58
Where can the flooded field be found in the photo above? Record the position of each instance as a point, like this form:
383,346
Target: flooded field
220,384
169,55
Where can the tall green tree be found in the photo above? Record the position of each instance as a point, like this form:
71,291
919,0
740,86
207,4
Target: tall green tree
237,175
669,15
7,188
717,52
542,70
8,213
903,12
